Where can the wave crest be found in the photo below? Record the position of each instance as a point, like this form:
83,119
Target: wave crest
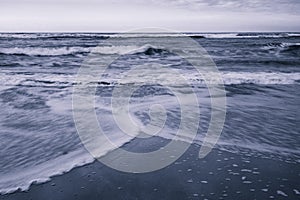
122,50
43,51
56,51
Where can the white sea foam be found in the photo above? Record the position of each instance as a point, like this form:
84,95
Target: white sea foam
44,51
280,46
228,77
296,191
260,78
245,35
56,51
18,36
50,35
22,179
8,80
279,192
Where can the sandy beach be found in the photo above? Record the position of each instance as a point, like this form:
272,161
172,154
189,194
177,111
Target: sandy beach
221,175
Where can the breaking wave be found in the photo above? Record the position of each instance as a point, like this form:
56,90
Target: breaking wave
282,46
56,51
43,51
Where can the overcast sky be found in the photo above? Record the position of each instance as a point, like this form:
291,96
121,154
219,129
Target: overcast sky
123,15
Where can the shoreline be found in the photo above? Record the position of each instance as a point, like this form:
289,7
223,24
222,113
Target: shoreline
220,175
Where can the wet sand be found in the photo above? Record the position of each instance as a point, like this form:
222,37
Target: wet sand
220,175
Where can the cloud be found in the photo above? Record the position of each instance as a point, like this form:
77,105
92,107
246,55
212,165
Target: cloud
270,6
181,15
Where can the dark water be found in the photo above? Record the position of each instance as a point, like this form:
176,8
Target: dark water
261,73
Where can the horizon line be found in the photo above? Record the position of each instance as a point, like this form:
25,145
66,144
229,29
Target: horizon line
124,32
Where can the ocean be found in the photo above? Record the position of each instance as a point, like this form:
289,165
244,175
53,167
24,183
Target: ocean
38,137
